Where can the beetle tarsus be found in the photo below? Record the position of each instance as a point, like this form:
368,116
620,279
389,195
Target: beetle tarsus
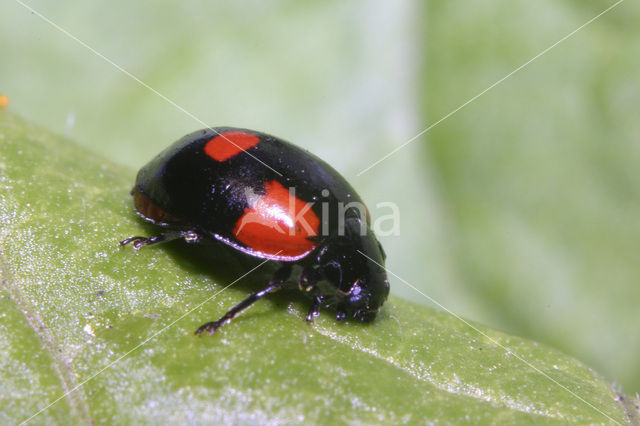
141,241
189,236
211,327
314,310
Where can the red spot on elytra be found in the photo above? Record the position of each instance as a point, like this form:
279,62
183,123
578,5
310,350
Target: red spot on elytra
278,223
150,210
229,144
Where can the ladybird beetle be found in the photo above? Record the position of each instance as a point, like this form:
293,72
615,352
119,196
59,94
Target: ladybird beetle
269,199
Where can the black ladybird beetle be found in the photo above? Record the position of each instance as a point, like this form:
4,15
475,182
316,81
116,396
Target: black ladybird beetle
270,199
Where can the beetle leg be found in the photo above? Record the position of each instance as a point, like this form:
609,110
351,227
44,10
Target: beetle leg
308,279
280,277
314,310
138,242
307,284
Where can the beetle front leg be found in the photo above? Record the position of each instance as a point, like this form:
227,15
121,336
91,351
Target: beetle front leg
307,284
279,279
138,242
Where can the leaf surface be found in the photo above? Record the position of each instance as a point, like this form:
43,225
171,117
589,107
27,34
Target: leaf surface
115,327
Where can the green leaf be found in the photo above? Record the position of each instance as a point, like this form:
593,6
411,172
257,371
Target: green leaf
538,176
115,327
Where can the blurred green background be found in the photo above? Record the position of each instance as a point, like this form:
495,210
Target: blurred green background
520,211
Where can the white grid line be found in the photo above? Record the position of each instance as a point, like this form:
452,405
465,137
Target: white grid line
507,350
141,343
488,88
132,76
142,83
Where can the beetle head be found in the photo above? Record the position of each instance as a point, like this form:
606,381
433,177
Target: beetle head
353,265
